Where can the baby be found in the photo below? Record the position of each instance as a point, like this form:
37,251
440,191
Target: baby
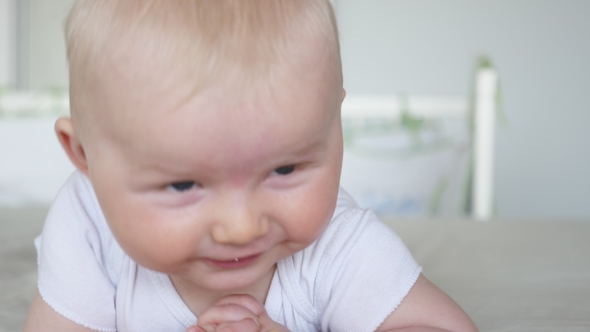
208,142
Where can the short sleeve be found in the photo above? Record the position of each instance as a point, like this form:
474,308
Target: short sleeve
365,274
74,275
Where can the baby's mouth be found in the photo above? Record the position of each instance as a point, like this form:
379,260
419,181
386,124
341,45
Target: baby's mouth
237,262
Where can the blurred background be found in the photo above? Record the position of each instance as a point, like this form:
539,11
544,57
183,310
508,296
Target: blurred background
540,49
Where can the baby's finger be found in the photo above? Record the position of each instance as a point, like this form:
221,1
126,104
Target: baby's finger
196,329
245,325
225,313
268,325
245,300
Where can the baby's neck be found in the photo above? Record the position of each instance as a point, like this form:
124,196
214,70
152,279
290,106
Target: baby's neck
199,299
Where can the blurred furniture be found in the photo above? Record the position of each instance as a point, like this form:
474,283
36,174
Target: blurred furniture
32,164
507,275
415,155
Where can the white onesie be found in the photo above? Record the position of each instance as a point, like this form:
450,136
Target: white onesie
349,279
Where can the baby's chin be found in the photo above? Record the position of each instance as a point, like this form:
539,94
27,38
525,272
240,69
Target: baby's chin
234,281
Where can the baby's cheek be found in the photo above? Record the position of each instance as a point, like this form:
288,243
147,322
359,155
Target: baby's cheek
155,242
310,226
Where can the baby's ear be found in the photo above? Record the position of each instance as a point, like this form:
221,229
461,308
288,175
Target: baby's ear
71,144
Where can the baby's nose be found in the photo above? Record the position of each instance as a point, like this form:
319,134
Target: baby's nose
239,225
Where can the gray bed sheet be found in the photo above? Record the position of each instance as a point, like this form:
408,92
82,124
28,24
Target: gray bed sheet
18,267
507,275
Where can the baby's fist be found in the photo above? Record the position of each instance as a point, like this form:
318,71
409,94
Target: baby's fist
234,313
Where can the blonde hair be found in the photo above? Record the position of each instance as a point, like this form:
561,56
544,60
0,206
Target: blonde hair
201,37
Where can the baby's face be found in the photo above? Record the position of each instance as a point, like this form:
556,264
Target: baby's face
215,187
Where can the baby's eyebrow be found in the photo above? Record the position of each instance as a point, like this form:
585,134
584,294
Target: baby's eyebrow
312,147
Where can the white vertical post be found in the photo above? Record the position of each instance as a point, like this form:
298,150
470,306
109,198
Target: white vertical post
21,62
7,42
485,123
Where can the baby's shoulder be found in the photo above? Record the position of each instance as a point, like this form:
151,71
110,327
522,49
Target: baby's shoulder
349,227
75,223
354,237
356,260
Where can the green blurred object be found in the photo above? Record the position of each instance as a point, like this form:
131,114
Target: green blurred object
49,101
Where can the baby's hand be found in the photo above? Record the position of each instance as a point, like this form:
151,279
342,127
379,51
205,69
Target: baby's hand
232,313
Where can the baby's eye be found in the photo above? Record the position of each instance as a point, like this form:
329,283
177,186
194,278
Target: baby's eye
181,186
285,170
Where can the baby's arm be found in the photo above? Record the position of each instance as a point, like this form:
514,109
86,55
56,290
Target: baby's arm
43,318
427,308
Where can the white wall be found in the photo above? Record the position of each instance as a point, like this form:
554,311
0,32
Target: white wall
542,52
48,65
7,32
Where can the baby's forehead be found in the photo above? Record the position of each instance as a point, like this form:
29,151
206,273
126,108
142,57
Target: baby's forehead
164,120
147,85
